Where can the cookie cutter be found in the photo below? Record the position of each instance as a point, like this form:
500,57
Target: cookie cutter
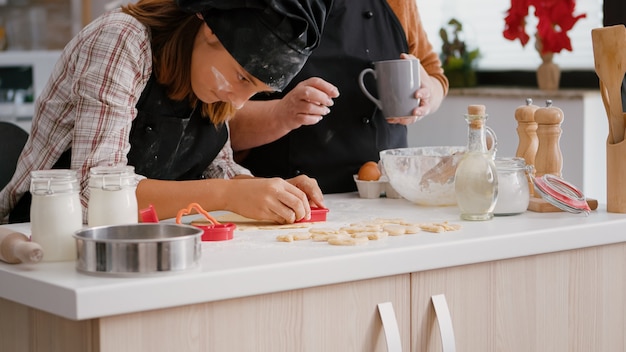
148,214
317,214
212,229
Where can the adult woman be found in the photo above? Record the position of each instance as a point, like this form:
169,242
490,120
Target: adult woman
288,136
153,85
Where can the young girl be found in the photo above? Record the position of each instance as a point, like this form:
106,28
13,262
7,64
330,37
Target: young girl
153,85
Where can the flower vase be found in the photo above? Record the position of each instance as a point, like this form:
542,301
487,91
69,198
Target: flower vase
548,73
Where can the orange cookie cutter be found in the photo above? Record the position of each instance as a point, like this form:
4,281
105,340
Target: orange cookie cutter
213,230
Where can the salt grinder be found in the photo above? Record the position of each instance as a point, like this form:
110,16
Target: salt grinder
548,159
527,132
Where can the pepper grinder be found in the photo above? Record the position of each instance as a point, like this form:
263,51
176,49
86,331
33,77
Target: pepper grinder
527,133
548,159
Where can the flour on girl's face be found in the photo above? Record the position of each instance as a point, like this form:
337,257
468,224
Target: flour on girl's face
223,86
220,80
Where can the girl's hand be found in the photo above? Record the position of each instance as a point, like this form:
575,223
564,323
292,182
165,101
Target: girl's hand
272,199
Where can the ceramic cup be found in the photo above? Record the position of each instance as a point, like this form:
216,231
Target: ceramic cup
396,83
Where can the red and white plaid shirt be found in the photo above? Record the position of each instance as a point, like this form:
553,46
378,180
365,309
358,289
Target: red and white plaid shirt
88,105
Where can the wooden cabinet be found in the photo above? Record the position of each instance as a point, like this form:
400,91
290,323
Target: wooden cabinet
569,301
560,302
341,317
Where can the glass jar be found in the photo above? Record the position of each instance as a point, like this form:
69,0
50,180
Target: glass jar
513,190
55,212
112,199
476,180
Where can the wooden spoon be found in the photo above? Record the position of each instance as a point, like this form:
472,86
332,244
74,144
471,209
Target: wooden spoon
609,51
443,171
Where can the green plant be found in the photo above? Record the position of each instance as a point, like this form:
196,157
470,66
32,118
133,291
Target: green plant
457,60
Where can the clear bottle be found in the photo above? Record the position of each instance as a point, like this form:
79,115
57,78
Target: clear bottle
112,199
476,179
55,212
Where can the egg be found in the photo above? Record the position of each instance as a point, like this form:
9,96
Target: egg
369,172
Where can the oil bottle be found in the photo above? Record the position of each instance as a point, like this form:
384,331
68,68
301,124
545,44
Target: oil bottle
476,178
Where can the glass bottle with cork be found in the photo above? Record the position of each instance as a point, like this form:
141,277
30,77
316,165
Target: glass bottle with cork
476,179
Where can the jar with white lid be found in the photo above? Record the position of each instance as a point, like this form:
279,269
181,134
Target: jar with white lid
513,190
55,212
112,199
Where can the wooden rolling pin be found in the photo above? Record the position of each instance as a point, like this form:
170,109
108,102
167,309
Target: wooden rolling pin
15,247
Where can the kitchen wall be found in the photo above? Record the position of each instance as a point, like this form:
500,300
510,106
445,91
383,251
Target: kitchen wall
35,24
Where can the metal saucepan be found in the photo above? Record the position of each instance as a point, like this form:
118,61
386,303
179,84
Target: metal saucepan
138,249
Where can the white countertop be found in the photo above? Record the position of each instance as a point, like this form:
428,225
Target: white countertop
255,263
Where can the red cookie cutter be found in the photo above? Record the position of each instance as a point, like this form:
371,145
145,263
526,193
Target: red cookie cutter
148,214
317,214
213,229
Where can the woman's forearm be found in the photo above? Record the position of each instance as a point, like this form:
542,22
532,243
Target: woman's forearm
255,124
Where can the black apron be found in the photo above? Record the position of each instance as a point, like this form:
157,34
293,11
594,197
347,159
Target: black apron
355,130
169,141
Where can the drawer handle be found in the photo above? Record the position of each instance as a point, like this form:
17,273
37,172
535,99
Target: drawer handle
445,323
390,326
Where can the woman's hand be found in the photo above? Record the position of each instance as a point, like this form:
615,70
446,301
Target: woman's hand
273,199
429,95
307,103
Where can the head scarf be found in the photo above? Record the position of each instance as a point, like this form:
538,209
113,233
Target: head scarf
270,39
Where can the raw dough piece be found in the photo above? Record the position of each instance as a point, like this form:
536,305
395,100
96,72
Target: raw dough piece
320,237
301,236
324,237
398,221
440,227
361,228
372,235
449,227
411,229
325,230
347,241
244,223
394,229
285,238
294,236
432,228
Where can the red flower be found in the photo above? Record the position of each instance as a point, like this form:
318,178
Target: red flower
556,17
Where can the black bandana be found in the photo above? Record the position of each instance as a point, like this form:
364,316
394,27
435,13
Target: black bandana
270,39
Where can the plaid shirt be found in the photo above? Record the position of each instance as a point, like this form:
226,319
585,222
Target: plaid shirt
89,103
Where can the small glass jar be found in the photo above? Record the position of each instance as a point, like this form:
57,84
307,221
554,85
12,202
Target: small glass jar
55,212
513,190
112,199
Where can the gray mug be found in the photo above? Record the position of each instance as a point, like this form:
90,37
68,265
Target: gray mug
396,81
